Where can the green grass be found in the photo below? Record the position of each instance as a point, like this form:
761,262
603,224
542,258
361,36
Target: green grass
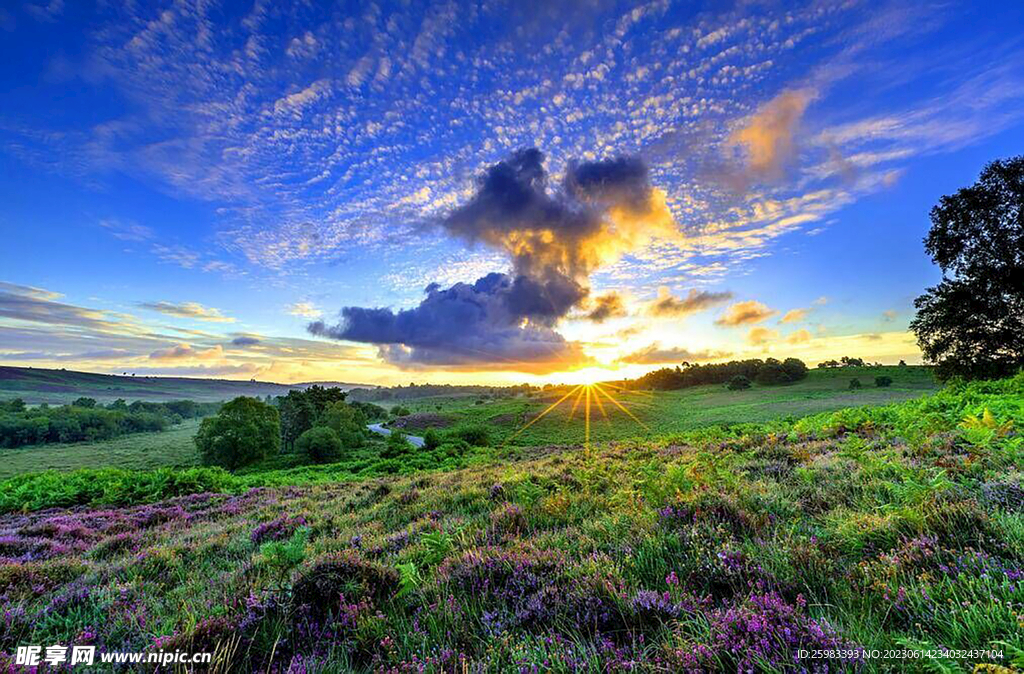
668,412
138,451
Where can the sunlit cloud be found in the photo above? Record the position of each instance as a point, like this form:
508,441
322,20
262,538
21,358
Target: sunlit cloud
655,354
603,307
799,337
188,310
668,305
768,138
186,352
304,310
745,313
761,335
794,316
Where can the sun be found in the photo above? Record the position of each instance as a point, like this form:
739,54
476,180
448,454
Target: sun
584,397
588,376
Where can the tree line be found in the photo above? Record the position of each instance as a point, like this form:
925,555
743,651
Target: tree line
86,420
766,372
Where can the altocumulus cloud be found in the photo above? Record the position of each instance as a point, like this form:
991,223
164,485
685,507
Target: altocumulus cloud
554,237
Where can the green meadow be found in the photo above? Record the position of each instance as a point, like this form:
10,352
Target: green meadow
169,448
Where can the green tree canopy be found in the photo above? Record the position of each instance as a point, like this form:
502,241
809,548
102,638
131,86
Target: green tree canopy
347,422
245,430
321,444
972,323
298,415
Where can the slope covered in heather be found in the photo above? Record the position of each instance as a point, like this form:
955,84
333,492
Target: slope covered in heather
895,527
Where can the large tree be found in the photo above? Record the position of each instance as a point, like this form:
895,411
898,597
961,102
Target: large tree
972,323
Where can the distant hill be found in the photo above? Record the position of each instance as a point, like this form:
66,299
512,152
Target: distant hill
38,385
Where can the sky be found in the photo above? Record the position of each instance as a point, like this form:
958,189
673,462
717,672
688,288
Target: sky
486,192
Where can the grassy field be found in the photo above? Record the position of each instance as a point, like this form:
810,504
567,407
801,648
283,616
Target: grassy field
172,447
898,528
666,412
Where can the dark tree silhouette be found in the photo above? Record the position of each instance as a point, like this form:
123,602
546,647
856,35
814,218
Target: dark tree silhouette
972,323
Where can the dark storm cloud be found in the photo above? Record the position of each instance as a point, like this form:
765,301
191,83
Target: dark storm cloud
622,180
498,320
554,236
245,340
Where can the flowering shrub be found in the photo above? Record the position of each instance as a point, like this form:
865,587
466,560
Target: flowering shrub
507,521
765,632
318,588
276,530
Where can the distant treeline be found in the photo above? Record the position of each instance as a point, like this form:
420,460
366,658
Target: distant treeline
766,372
85,419
427,390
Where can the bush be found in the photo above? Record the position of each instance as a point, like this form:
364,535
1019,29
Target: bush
431,439
370,411
245,430
883,382
81,421
321,444
474,434
396,446
855,383
739,383
400,411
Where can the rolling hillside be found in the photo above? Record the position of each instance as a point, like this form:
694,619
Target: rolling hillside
37,385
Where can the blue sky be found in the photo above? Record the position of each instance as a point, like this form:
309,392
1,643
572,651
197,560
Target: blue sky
180,175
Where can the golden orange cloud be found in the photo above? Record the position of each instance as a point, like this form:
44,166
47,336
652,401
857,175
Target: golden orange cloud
745,313
769,137
794,316
760,335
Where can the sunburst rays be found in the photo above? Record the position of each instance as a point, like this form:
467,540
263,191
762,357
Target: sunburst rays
581,399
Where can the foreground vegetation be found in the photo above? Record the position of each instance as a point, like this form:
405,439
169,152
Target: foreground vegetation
894,527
